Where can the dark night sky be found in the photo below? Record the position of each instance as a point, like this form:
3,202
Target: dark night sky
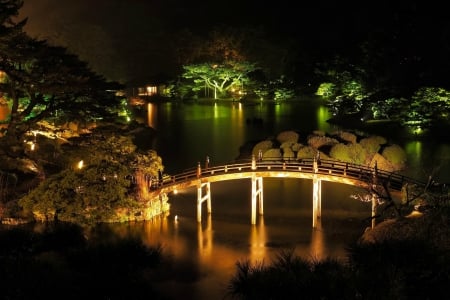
128,38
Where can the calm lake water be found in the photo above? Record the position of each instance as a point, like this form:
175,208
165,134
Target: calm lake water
207,253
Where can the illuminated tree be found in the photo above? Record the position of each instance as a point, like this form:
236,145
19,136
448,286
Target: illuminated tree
81,196
326,89
390,108
428,106
231,43
105,188
241,44
219,79
44,82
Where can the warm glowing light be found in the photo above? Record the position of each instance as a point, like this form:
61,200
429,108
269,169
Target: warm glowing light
33,146
152,115
3,77
258,239
418,130
148,90
80,164
175,191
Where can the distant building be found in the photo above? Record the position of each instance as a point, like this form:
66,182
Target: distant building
149,90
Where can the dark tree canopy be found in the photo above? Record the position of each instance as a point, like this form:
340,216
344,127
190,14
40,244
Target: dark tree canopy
40,81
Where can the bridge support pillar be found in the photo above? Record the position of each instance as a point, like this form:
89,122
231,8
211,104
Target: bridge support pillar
317,200
374,209
374,195
200,198
257,197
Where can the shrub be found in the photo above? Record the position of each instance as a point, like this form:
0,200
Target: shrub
352,153
306,152
396,155
372,144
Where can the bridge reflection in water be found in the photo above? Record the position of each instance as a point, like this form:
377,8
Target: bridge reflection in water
213,247
313,169
205,253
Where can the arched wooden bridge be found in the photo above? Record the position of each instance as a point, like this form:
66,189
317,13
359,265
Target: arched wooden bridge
312,168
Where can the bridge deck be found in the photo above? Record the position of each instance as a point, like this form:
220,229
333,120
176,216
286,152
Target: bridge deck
327,170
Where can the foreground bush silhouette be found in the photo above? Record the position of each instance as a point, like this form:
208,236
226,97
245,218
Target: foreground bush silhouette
392,269
51,265
291,277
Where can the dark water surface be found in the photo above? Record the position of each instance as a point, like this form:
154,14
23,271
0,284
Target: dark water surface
207,253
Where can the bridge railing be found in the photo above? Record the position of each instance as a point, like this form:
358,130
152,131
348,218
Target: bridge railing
307,165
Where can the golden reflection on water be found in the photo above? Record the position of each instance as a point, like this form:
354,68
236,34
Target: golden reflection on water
317,247
205,239
258,239
152,116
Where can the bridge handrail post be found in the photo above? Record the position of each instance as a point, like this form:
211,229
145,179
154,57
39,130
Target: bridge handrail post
199,170
315,162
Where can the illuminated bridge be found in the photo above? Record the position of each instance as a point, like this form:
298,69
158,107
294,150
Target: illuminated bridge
312,168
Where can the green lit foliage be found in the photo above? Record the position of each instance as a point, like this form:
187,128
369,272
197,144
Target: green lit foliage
186,90
396,155
236,46
149,162
104,189
342,105
428,105
372,144
317,141
391,108
344,88
351,153
234,43
272,154
306,152
282,94
219,80
346,136
281,89
353,89
112,147
88,195
262,146
326,90
44,82
287,136
288,153
262,92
